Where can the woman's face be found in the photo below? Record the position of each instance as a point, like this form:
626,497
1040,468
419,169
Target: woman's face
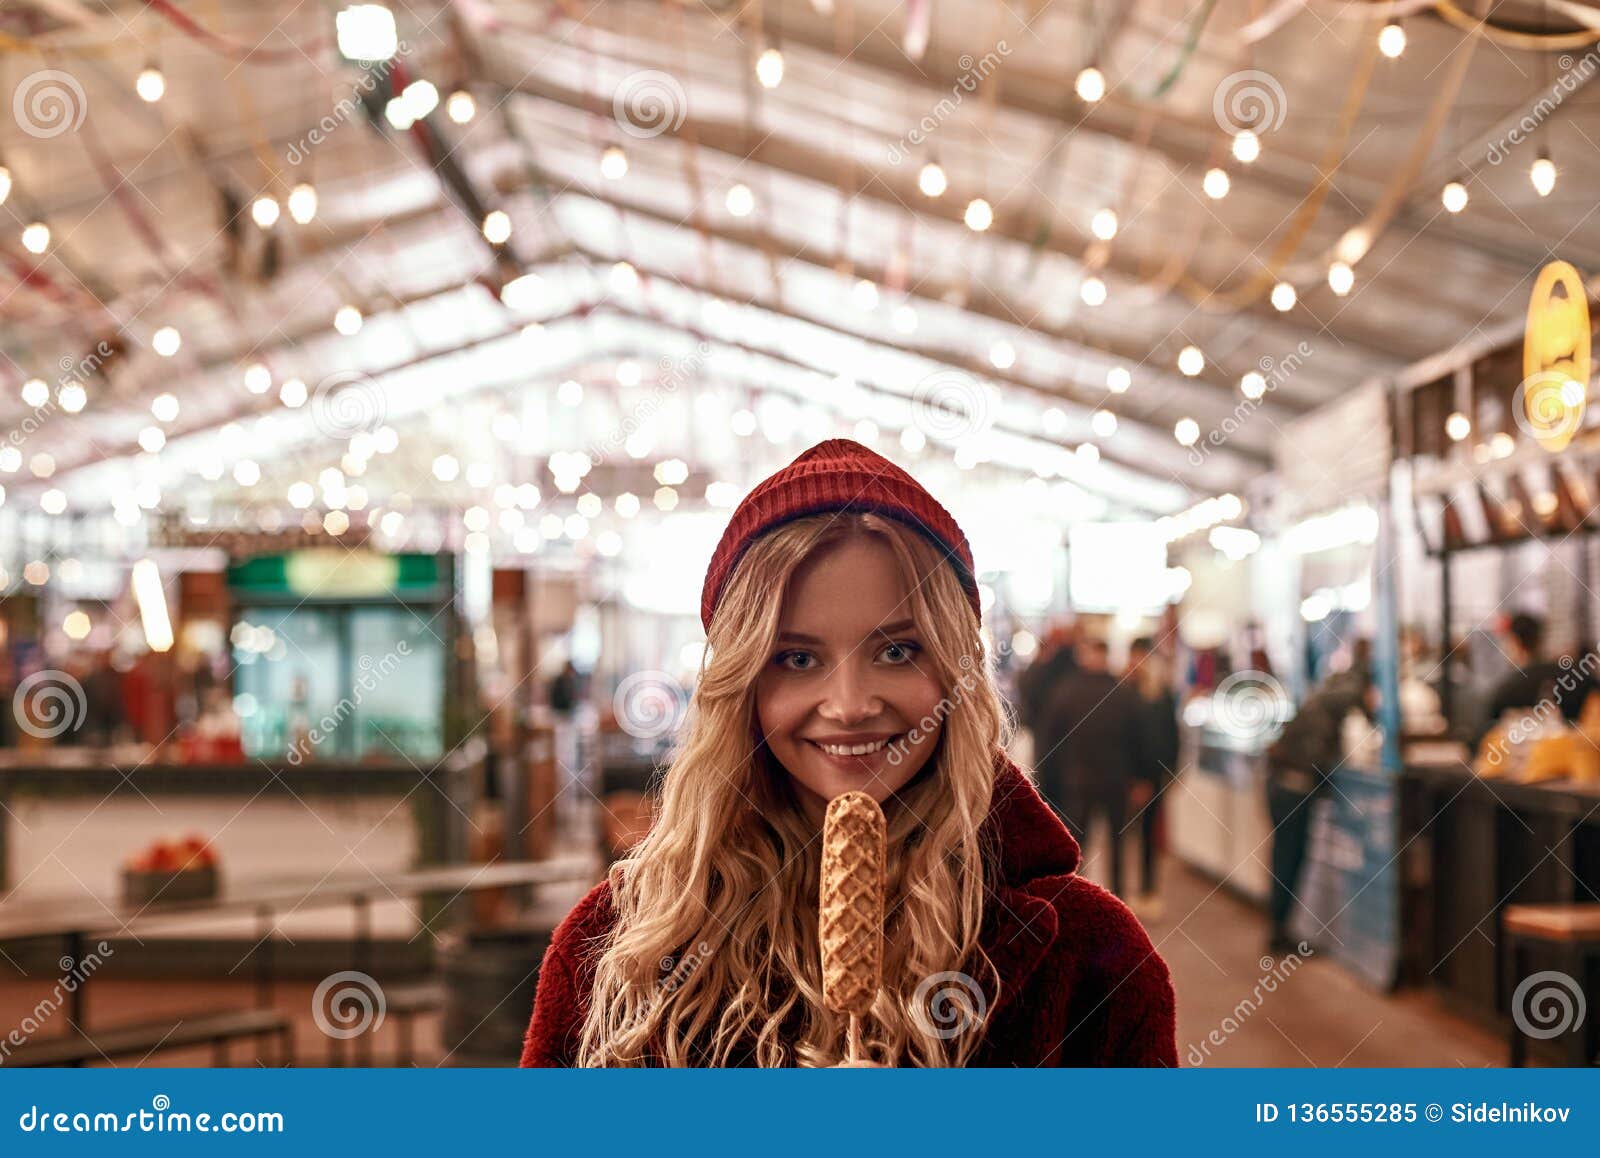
844,695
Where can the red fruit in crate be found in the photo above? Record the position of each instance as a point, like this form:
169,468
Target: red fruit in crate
193,852
164,858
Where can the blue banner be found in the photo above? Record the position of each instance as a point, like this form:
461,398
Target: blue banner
818,1112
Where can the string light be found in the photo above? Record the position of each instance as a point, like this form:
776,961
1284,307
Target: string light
1093,291
1002,355
292,393
36,237
1392,40
1454,196
1283,297
421,98
1191,361
1252,385
497,227
347,320
613,163
1187,431
865,295
35,392
366,32
1543,175
769,68
164,407
931,180
151,85
1118,379
1103,423
72,397
1341,278
740,200
461,108
1090,85
303,203
979,215
1104,224
152,439
1216,184
264,211
1457,426
904,319
257,378
166,341
1246,146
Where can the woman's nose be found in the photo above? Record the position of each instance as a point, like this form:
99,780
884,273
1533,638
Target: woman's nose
848,697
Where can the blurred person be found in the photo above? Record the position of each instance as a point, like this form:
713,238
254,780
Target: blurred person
1054,663
1299,763
1532,677
845,655
1090,731
566,689
1157,763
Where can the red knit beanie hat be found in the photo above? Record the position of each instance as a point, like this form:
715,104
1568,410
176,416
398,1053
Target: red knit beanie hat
836,475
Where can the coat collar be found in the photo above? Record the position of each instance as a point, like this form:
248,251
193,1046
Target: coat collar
1030,850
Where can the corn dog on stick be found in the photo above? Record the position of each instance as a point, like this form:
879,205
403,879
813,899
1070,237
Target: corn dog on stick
851,917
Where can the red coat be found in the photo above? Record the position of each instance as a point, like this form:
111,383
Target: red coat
1081,984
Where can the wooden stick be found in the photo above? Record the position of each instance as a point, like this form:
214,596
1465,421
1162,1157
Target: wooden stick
856,1052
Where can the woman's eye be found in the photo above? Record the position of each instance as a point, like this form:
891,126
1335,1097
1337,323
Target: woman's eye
900,652
796,660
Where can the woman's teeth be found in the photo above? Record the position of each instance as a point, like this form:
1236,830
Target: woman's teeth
854,749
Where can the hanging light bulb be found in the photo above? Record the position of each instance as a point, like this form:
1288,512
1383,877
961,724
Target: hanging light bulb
1191,361
740,200
613,163
35,392
1543,175
1392,40
1090,85
1103,423
303,203
1252,385
1093,291
1187,431
1216,184
979,215
1104,224
497,227
36,237
151,85
1341,278
461,108
1283,297
347,320
366,32
769,68
1454,196
1457,426
257,378
932,180
1118,379
1002,355
264,211
1246,146
865,295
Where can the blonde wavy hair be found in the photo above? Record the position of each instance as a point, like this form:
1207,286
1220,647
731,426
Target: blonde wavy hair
714,958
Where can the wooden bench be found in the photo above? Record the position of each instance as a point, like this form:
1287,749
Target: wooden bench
214,1029
1573,932
404,1003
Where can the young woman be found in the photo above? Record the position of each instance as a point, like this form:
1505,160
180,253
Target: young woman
844,652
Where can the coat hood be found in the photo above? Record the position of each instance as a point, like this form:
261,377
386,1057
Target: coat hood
1026,836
